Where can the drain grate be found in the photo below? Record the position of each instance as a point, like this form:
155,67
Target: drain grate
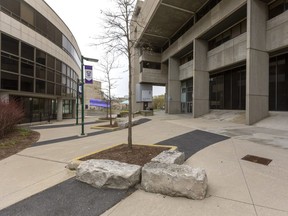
256,159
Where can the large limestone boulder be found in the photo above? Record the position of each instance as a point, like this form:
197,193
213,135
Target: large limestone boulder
174,180
170,157
108,174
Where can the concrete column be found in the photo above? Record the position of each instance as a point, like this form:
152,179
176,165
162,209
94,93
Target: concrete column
74,108
257,69
59,109
200,79
173,90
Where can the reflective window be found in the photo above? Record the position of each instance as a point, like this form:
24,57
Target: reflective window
40,86
40,72
50,75
278,83
50,61
41,57
58,90
27,68
24,13
228,89
27,51
27,84
50,88
11,7
27,14
9,63
9,81
9,44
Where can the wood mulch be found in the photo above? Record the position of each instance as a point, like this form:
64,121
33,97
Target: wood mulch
16,141
139,155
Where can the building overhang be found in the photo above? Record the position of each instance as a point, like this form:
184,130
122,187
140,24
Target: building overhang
168,18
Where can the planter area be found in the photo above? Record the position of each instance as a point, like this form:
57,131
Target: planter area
166,174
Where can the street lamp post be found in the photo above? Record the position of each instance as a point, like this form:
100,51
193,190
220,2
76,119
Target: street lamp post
82,88
77,103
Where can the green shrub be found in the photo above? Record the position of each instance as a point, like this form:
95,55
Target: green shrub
10,115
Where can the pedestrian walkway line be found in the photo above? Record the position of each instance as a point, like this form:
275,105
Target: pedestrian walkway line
39,158
60,125
63,139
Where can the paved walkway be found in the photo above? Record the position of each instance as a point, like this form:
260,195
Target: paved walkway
236,187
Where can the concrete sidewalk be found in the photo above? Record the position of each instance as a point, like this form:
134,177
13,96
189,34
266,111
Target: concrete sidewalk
236,187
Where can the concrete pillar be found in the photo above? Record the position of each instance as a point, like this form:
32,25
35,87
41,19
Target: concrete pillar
173,90
59,109
74,108
257,69
200,79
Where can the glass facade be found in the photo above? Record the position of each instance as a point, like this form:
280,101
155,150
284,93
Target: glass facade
187,96
37,109
228,89
24,13
278,83
27,69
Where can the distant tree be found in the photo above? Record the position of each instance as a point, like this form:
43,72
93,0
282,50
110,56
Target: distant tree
158,102
117,38
107,65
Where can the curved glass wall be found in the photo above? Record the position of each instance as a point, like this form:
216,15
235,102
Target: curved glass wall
24,13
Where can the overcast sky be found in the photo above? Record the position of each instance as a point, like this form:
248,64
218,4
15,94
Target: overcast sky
83,17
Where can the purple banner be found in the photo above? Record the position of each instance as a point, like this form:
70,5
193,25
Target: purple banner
88,74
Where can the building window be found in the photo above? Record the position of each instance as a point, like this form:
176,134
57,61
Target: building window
27,51
9,81
27,14
40,72
27,68
50,88
50,75
40,57
9,44
228,89
186,58
12,7
206,8
150,65
277,7
278,83
27,84
9,63
40,86
227,35
24,13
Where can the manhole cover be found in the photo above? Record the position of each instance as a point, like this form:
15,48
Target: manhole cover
256,159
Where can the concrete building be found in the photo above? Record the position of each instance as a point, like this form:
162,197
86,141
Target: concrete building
40,60
213,54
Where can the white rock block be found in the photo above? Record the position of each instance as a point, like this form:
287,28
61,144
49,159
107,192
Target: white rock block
108,174
170,157
175,180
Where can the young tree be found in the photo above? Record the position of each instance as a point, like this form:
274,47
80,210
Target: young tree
117,38
107,65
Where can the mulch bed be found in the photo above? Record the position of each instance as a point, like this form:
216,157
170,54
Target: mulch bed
16,141
139,155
